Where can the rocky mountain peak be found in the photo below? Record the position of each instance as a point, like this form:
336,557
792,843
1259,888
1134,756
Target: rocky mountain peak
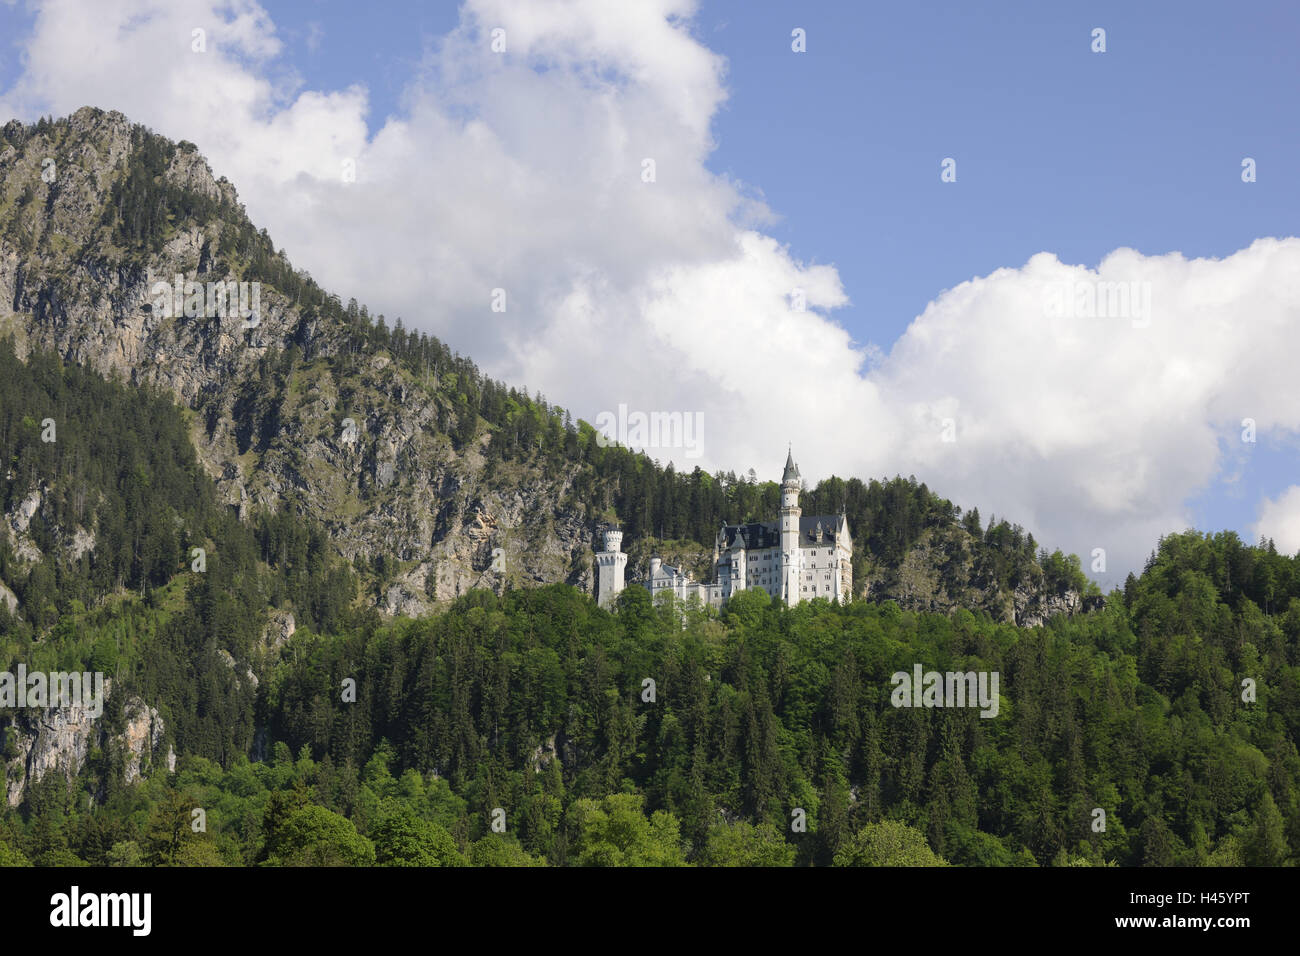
295,407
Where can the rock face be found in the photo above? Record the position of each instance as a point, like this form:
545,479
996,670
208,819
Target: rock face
279,628
51,740
1033,609
143,736
937,575
17,521
59,739
388,483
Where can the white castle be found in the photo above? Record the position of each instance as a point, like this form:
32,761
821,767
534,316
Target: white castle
794,559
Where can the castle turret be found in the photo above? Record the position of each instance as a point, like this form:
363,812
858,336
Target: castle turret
790,514
611,564
739,563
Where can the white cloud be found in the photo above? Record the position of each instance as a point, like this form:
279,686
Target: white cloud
523,171
1097,430
1279,519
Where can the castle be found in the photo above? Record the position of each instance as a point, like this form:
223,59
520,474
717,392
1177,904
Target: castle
794,558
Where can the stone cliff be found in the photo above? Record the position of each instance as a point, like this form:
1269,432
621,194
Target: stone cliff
365,457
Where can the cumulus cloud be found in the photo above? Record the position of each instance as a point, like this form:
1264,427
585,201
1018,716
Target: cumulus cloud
1086,410
1098,423
1279,519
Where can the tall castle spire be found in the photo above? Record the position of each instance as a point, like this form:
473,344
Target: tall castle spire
791,469
791,558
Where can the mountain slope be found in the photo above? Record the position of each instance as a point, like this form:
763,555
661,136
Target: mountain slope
126,210
421,469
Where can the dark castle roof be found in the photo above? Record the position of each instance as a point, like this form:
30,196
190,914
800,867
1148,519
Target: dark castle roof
757,534
767,534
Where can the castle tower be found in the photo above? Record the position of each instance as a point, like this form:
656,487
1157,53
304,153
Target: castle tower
790,514
844,559
611,564
739,563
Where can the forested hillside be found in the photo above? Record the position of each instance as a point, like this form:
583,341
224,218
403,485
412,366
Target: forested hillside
535,704
197,531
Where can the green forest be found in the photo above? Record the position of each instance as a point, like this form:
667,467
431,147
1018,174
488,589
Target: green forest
533,709
518,729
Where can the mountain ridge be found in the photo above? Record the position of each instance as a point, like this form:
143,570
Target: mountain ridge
95,309
428,490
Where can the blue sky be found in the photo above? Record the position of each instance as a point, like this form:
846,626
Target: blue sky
1058,148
